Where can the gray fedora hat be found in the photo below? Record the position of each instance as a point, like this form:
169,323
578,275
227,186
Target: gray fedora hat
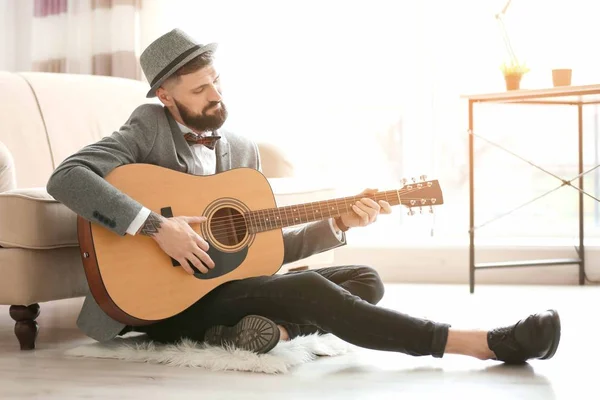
167,54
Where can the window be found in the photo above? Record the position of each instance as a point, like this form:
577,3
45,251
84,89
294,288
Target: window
370,93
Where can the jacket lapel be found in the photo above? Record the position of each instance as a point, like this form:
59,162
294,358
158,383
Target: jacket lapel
181,147
223,154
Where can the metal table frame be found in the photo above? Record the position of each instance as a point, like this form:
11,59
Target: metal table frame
569,95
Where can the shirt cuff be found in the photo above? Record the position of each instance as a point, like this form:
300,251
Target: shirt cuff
138,221
338,235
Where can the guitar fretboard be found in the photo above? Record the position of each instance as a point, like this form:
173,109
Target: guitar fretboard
281,217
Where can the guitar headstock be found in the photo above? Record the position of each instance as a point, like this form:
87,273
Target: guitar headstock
420,193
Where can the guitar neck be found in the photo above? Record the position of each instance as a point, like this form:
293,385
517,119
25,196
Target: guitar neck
281,217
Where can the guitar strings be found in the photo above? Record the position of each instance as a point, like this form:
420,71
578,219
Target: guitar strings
241,220
313,205
292,209
239,223
242,224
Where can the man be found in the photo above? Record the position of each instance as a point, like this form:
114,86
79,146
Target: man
253,313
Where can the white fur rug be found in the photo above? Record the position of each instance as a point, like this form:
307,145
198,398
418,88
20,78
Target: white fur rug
191,354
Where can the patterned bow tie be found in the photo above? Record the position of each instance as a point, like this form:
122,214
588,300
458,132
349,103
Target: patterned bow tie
208,141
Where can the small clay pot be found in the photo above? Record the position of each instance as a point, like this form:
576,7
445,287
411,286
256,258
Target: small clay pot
561,77
513,81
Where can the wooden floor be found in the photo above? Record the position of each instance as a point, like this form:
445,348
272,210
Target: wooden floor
572,374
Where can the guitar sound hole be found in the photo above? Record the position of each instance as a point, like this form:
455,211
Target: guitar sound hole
228,226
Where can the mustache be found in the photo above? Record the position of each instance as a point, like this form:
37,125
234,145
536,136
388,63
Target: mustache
211,105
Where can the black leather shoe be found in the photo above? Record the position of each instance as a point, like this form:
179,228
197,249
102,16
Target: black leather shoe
253,332
536,336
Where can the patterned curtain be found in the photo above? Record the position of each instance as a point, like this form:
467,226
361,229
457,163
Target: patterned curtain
98,37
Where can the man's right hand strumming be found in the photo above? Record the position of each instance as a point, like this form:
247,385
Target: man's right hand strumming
176,238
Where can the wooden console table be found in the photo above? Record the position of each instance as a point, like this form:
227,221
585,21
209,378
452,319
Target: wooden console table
577,96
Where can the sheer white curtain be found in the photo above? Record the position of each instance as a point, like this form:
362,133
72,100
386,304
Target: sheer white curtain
15,23
99,37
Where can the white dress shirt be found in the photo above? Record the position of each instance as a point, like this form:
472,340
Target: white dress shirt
204,160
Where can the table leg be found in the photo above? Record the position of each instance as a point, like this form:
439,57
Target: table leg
581,249
471,205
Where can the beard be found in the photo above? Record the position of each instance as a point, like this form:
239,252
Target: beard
203,122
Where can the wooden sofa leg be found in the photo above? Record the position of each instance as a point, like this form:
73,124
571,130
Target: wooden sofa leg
26,328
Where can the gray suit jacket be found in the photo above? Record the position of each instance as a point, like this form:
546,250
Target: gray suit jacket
151,136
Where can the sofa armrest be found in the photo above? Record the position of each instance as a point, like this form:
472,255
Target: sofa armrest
8,177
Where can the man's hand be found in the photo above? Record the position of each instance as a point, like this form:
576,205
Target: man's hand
365,211
176,238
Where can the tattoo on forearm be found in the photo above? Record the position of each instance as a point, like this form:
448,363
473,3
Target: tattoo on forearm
152,225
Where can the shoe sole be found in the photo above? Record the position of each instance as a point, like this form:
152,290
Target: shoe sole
253,333
554,346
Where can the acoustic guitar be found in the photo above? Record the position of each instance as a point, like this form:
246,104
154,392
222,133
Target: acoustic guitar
135,282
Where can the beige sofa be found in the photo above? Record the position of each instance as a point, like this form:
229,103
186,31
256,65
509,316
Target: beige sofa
43,119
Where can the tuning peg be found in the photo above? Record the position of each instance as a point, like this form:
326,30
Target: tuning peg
414,180
404,180
420,210
411,212
423,177
430,209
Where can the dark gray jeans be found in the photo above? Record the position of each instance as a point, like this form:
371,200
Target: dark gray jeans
337,300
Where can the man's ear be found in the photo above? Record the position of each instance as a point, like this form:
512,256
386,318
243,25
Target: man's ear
164,96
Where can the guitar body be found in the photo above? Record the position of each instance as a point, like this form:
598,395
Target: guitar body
131,277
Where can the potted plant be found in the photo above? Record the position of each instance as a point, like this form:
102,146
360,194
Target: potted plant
513,73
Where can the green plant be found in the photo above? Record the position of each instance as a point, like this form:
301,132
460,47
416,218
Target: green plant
514,68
